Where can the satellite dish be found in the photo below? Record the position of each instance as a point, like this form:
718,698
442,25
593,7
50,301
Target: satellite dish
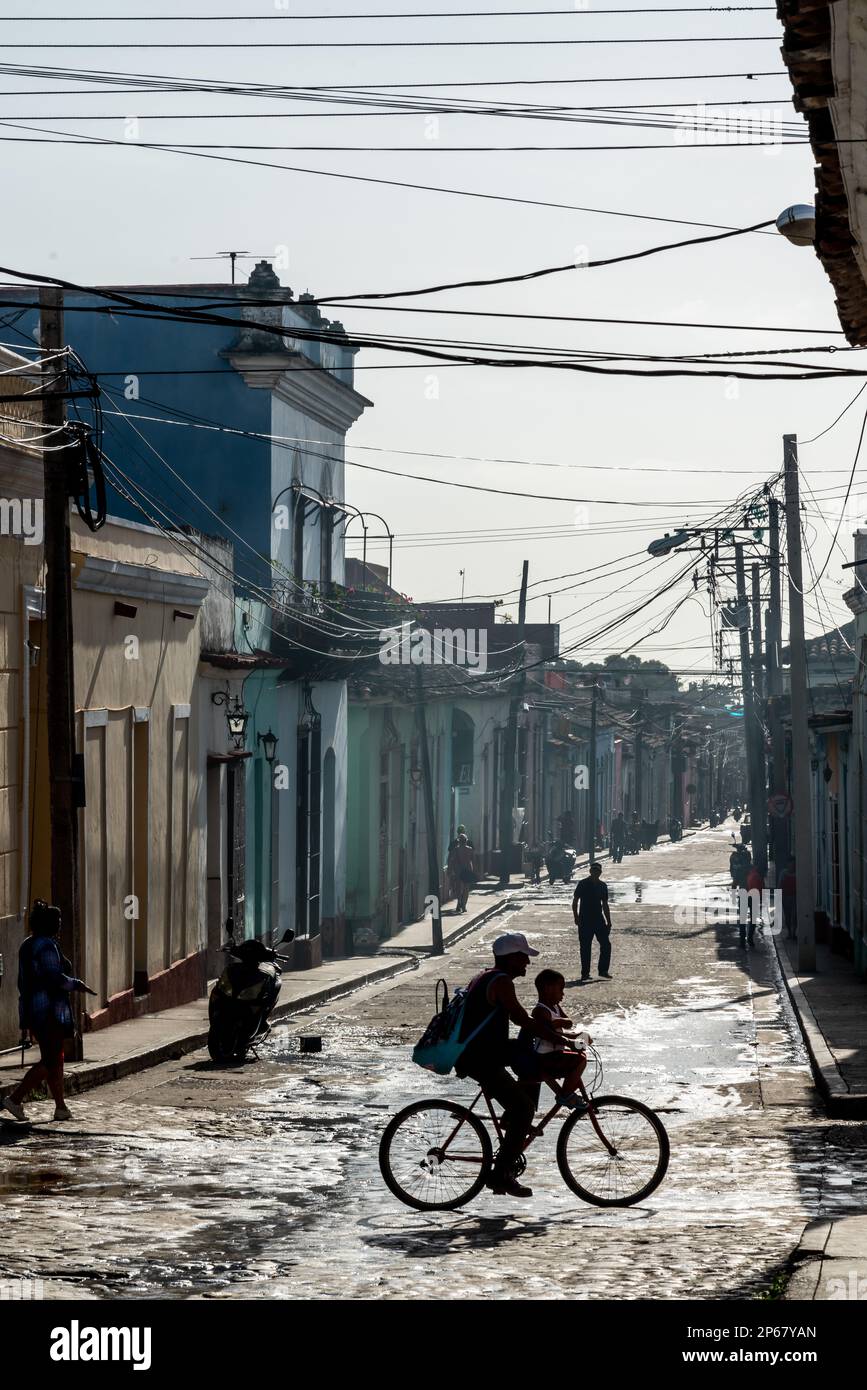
798,224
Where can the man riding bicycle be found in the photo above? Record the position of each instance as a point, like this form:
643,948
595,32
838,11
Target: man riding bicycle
491,1000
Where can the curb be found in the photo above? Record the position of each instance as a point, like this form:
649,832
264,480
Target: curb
840,1102
832,1252
76,1082
466,927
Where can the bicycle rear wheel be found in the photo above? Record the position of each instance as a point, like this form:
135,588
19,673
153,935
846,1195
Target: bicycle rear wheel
622,1171
435,1155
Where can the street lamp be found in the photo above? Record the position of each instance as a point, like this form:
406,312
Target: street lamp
798,224
665,544
269,742
236,716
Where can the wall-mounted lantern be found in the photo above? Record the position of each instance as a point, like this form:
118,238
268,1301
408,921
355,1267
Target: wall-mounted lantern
236,716
269,743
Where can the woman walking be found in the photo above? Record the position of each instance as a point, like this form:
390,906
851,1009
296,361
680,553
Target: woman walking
44,987
464,872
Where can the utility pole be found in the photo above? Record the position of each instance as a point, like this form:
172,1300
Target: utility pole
64,771
433,859
710,778
507,802
591,787
754,796
760,828
676,756
774,683
639,751
801,788
758,664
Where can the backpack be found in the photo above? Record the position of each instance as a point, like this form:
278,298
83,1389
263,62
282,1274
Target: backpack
440,1045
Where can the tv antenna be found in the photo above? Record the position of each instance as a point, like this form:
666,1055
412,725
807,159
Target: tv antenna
232,256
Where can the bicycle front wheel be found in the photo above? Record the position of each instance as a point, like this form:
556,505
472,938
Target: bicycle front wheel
615,1158
435,1155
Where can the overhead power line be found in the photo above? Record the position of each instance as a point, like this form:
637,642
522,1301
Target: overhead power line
523,276
412,14
432,148
394,183
158,82
406,43
584,318
604,115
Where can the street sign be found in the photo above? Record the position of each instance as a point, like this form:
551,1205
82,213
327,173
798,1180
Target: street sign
780,805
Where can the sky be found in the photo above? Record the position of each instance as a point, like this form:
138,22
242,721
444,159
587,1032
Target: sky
634,458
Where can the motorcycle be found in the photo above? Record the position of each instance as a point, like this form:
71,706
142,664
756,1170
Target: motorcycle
714,819
675,830
560,862
243,997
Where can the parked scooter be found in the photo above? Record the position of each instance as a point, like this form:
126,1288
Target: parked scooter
714,818
560,862
738,811
675,829
243,997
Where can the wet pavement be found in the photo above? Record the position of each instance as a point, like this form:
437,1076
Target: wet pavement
192,1180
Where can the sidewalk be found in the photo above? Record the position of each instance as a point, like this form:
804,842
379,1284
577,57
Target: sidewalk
126,1048
831,1008
831,1262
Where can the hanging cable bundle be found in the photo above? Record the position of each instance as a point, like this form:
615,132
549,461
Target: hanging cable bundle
86,472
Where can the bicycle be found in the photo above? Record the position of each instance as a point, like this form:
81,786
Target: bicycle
619,1146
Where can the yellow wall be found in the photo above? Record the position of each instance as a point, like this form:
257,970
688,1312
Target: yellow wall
19,565
141,832
148,662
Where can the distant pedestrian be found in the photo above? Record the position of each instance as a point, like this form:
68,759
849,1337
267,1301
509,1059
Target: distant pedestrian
788,889
755,886
44,986
618,837
739,866
567,828
593,920
536,856
463,871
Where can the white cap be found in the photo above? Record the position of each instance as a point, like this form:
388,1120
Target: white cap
511,943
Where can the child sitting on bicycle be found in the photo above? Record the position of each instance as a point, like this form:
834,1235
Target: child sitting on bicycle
554,1062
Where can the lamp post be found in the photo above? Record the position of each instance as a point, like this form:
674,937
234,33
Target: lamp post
236,721
269,748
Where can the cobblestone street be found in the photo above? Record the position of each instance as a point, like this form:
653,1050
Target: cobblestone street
192,1180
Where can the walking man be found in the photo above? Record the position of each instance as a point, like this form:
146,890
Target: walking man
618,837
45,983
593,919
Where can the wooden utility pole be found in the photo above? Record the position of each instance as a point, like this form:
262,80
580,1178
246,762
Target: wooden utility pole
774,682
801,788
63,769
433,859
760,828
507,800
591,777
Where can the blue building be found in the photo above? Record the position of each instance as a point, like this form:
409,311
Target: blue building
229,431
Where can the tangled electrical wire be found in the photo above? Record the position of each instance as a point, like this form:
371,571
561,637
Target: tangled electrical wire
87,475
